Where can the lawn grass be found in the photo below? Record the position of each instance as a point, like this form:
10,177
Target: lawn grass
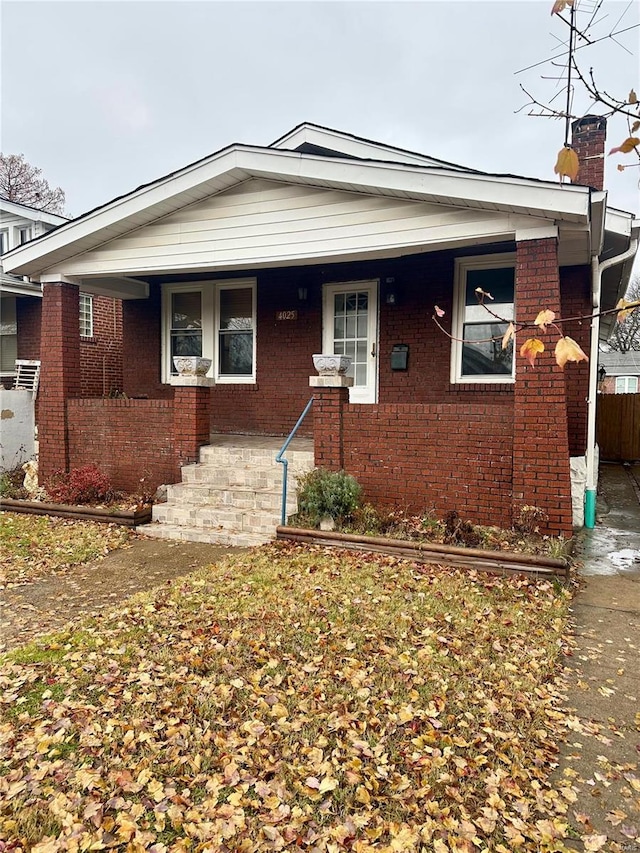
33,546
293,699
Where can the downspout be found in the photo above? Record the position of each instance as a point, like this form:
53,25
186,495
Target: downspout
597,269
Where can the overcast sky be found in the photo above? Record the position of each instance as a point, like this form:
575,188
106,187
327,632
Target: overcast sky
104,96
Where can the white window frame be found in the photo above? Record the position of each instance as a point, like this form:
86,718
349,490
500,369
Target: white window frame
210,305
9,335
86,315
29,234
234,379
462,266
4,240
627,381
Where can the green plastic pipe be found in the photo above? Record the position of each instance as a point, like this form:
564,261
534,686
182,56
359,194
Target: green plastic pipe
590,508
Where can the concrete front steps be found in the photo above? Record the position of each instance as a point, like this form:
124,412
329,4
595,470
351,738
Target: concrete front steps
233,495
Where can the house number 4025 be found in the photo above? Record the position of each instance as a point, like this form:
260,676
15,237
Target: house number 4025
286,315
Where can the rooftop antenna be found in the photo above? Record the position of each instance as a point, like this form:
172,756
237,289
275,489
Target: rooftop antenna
570,76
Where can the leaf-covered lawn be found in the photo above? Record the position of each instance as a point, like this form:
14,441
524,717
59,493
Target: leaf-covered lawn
293,699
32,546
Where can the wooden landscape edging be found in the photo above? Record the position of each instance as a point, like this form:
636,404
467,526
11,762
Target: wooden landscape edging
500,562
126,517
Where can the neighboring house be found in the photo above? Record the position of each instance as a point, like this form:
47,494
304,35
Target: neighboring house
18,225
259,257
100,321
620,372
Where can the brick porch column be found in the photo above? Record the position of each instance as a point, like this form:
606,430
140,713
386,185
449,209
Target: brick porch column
60,371
330,396
191,417
541,474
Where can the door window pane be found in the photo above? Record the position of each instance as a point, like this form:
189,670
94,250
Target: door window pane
351,331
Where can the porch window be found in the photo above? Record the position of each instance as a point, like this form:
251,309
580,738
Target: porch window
8,336
626,384
86,315
212,319
477,354
186,323
235,333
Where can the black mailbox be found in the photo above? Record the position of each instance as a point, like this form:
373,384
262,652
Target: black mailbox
399,356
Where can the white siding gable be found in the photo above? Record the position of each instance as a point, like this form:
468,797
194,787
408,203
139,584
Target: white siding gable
266,223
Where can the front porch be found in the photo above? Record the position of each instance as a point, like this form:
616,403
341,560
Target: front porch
419,439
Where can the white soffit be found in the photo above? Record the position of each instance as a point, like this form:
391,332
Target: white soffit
238,163
18,287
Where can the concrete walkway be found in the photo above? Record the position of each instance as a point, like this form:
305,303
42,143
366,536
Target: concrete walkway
602,754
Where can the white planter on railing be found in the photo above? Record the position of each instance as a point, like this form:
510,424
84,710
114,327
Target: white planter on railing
331,365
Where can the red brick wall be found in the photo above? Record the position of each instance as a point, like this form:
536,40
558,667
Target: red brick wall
141,351
60,374
129,440
285,348
575,288
29,320
191,417
433,457
541,475
101,355
284,364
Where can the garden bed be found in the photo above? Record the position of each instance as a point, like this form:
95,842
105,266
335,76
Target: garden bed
109,515
499,562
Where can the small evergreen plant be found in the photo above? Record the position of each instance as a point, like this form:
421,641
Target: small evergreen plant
333,494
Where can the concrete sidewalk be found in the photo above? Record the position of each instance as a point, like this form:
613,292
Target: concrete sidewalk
602,753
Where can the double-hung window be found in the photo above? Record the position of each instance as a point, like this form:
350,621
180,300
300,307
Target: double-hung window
235,332
24,234
86,315
8,335
477,354
216,320
626,384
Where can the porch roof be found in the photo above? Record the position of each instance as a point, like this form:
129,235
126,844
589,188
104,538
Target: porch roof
318,158
239,163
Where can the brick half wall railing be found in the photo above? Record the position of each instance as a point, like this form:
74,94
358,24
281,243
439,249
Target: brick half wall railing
438,457
131,441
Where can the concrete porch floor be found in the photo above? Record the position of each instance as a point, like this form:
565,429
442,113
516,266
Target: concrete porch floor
259,442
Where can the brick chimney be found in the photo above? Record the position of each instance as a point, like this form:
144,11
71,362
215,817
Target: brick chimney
588,141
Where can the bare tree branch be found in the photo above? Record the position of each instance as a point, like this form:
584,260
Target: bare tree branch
21,182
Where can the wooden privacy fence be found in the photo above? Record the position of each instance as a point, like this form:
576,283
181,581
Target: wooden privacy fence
618,427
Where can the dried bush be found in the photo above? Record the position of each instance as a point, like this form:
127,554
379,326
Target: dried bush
84,485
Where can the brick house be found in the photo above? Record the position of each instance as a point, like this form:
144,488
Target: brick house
323,242
620,372
100,317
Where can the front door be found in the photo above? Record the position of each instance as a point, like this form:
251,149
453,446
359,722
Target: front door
350,327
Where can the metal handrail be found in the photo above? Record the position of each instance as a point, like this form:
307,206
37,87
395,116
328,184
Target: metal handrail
285,462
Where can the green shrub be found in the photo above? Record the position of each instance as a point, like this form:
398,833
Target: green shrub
333,494
11,484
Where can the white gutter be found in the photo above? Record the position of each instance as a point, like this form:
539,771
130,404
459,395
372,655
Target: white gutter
597,269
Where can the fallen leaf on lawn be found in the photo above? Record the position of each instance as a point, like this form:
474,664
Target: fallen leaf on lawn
593,843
